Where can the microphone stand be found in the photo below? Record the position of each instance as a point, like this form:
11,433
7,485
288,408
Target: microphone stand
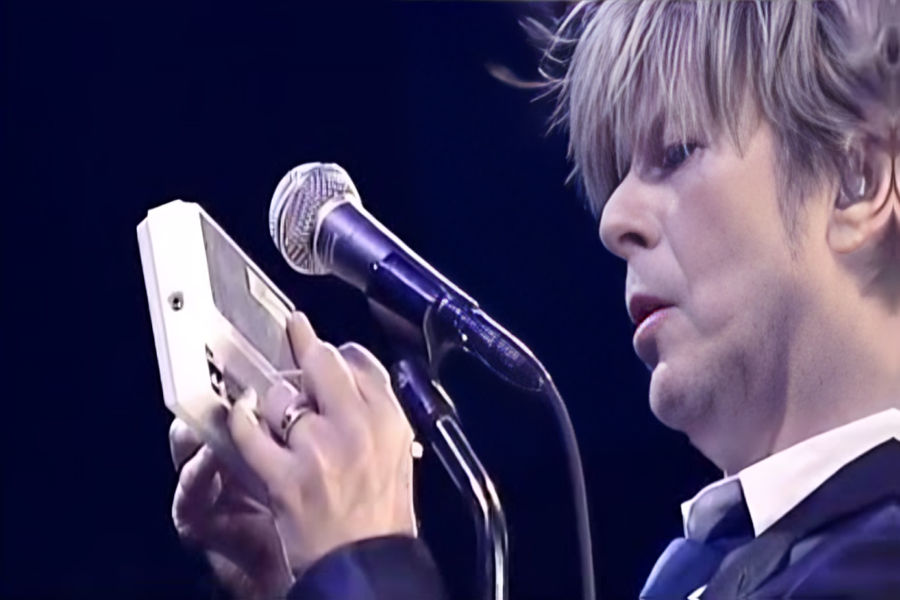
433,415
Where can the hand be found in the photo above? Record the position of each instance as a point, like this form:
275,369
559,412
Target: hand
211,509
345,471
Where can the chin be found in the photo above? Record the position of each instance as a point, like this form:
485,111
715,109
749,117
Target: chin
683,401
679,398
702,399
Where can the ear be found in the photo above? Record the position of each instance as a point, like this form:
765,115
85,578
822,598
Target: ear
863,206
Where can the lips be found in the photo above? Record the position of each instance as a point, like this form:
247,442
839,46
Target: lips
648,313
641,306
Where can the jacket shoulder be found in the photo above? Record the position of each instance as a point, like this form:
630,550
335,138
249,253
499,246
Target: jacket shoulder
857,556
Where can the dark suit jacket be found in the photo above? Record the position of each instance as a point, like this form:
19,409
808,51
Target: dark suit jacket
842,541
385,568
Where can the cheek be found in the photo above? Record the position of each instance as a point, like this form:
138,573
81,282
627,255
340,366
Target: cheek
732,253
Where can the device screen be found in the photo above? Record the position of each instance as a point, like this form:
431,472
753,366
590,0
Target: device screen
246,300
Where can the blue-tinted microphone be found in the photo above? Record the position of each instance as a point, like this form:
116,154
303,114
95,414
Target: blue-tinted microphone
319,225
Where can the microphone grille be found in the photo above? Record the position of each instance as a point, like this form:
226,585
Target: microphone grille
296,205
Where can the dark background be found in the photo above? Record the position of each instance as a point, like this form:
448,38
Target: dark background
112,108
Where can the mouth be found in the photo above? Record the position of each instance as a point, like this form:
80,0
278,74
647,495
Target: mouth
641,307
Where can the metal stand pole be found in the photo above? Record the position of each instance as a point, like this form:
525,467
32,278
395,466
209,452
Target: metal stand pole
434,418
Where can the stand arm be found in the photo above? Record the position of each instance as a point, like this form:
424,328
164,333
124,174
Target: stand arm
434,417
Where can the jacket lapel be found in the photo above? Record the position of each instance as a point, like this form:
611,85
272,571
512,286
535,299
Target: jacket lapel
866,481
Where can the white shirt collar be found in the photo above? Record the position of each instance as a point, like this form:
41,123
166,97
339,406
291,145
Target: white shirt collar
778,483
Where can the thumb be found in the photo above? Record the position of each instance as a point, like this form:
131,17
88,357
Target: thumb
256,446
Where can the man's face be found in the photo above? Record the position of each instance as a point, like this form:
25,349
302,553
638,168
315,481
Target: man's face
713,286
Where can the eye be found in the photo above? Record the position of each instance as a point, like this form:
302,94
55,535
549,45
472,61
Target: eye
675,154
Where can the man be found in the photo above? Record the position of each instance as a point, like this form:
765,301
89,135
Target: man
740,155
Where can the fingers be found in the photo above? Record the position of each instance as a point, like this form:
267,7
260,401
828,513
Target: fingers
373,381
301,334
339,379
183,442
196,480
350,387
367,368
282,402
345,472
261,452
326,375
275,403
198,488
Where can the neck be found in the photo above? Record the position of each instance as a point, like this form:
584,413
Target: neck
846,366
841,361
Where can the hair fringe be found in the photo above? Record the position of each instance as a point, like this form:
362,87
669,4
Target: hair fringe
820,72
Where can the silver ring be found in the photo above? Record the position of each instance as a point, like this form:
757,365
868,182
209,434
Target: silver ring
292,414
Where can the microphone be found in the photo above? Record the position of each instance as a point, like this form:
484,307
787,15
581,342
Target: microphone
319,225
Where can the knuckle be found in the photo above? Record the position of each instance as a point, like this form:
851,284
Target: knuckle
356,354
362,358
175,429
323,357
177,510
393,422
187,477
183,520
182,442
351,347
323,354
397,436
181,436
184,531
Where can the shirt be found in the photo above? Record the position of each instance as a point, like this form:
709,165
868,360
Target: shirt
778,483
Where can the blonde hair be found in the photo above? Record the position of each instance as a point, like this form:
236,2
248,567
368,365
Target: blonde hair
627,73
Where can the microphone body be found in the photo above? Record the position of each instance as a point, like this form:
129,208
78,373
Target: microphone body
320,226
354,246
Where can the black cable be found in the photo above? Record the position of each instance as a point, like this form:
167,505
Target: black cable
510,359
579,489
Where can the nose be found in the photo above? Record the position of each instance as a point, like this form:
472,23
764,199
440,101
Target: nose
629,221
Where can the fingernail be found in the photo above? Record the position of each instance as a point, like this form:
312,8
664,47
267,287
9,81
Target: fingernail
352,353
301,332
361,358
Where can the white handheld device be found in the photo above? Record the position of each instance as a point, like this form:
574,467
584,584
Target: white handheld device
219,324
